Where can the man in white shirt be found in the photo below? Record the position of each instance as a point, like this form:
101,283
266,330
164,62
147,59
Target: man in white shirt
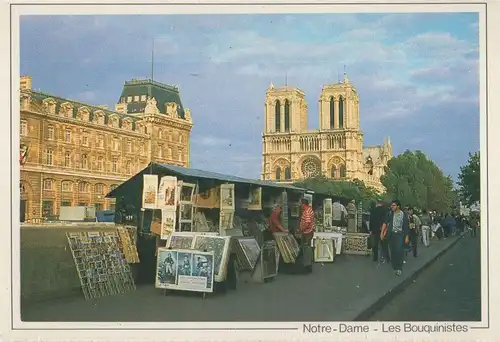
339,213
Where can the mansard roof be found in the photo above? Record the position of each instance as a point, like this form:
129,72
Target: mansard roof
163,94
37,97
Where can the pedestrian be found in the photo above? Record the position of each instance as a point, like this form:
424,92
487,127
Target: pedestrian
414,226
425,220
396,231
306,234
378,214
339,214
274,223
474,222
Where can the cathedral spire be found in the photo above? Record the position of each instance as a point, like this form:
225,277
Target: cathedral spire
346,80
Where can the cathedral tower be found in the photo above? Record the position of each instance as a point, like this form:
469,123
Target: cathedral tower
339,107
285,110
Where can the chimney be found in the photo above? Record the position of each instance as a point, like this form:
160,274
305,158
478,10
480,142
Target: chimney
26,82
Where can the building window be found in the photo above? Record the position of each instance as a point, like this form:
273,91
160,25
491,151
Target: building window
287,116
288,174
128,168
85,140
332,113
136,98
129,98
99,189
341,112
48,156
83,187
160,151
98,207
342,170
115,144
47,208
278,173
65,204
114,165
100,141
67,186
100,163
143,98
180,155
67,159
160,134
112,206
48,184
181,139
50,133
24,128
129,146
333,171
85,161
277,116
67,136
170,134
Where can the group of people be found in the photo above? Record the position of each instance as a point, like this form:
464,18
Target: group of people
396,230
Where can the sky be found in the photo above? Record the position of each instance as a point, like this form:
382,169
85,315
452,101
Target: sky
417,74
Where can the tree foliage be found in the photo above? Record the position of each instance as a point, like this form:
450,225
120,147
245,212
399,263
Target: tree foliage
469,180
415,180
354,189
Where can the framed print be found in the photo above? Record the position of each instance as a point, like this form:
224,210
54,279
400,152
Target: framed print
324,250
268,259
255,199
167,193
187,270
150,191
220,246
225,220
227,197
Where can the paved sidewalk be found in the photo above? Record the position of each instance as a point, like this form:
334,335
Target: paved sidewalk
340,291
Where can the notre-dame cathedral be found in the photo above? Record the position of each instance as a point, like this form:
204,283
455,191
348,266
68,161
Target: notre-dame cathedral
291,151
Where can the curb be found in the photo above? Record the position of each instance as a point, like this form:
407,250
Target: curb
389,295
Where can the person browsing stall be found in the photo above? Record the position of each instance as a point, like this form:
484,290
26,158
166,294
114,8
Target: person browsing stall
396,230
274,221
306,226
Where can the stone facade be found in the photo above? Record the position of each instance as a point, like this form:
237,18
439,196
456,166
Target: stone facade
74,153
291,152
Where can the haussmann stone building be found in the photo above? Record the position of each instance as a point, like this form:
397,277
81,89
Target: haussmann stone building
73,153
291,151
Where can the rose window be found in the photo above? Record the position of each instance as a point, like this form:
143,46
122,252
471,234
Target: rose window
310,168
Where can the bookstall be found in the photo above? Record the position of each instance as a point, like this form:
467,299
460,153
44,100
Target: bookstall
179,209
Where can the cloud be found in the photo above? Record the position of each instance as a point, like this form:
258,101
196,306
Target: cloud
418,68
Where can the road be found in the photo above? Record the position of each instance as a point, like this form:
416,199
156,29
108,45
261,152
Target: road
337,291
449,290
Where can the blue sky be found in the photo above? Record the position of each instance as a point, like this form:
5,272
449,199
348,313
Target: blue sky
417,75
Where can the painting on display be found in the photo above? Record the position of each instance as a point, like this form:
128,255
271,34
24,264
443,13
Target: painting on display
167,193
336,237
327,212
324,250
207,199
186,212
128,243
179,240
150,192
186,192
226,219
220,245
247,252
268,259
255,199
187,270
295,210
227,197
167,223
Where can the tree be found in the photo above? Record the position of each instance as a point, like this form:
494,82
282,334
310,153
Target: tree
354,189
469,180
415,180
